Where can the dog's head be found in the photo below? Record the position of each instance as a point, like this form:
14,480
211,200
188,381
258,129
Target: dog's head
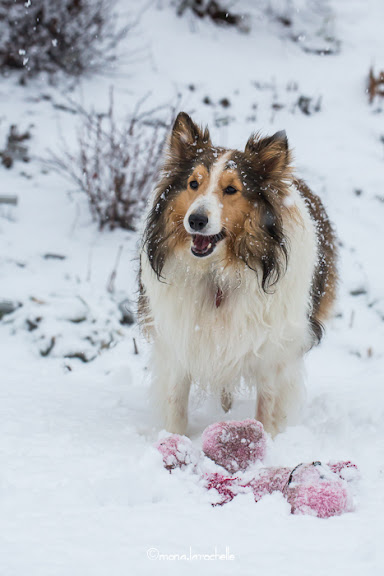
217,205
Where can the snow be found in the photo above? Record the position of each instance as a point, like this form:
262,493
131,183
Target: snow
82,488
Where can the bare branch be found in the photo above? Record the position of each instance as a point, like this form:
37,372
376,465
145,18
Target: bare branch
117,163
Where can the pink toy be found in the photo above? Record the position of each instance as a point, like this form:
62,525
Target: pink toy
235,445
226,487
346,470
267,481
177,451
317,489
309,488
314,489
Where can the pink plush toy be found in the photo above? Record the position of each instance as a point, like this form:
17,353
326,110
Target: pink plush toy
309,488
226,487
345,469
177,451
235,445
314,489
317,489
267,481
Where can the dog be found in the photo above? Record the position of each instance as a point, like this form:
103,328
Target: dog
238,272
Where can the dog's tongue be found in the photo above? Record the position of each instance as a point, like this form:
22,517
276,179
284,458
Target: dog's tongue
201,242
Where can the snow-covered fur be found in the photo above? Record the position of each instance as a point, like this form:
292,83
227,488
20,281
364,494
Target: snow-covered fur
237,274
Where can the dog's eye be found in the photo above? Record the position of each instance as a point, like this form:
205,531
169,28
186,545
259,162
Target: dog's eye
194,184
230,190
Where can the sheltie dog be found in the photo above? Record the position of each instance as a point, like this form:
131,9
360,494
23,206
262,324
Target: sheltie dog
237,275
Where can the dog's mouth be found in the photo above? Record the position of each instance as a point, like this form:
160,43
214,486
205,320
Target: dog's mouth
204,245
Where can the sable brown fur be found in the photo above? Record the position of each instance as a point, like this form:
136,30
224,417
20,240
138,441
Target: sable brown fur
325,278
143,310
188,146
265,168
266,171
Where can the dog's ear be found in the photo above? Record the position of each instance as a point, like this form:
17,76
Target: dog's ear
186,137
271,156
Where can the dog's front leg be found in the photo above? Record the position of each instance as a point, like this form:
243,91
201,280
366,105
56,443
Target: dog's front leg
280,395
176,416
171,387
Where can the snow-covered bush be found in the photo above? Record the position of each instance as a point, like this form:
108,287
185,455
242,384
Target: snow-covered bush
310,23
76,36
216,10
117,163
80,326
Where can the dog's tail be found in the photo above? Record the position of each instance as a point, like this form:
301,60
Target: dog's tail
226,400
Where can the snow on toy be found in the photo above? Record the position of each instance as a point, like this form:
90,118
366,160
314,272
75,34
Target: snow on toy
317,489
235,445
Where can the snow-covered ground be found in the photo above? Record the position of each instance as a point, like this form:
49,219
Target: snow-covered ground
82,489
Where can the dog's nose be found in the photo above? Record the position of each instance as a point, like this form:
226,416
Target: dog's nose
198,221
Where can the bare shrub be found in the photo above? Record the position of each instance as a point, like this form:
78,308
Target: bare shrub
75,36
375,85
117,164
16,147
